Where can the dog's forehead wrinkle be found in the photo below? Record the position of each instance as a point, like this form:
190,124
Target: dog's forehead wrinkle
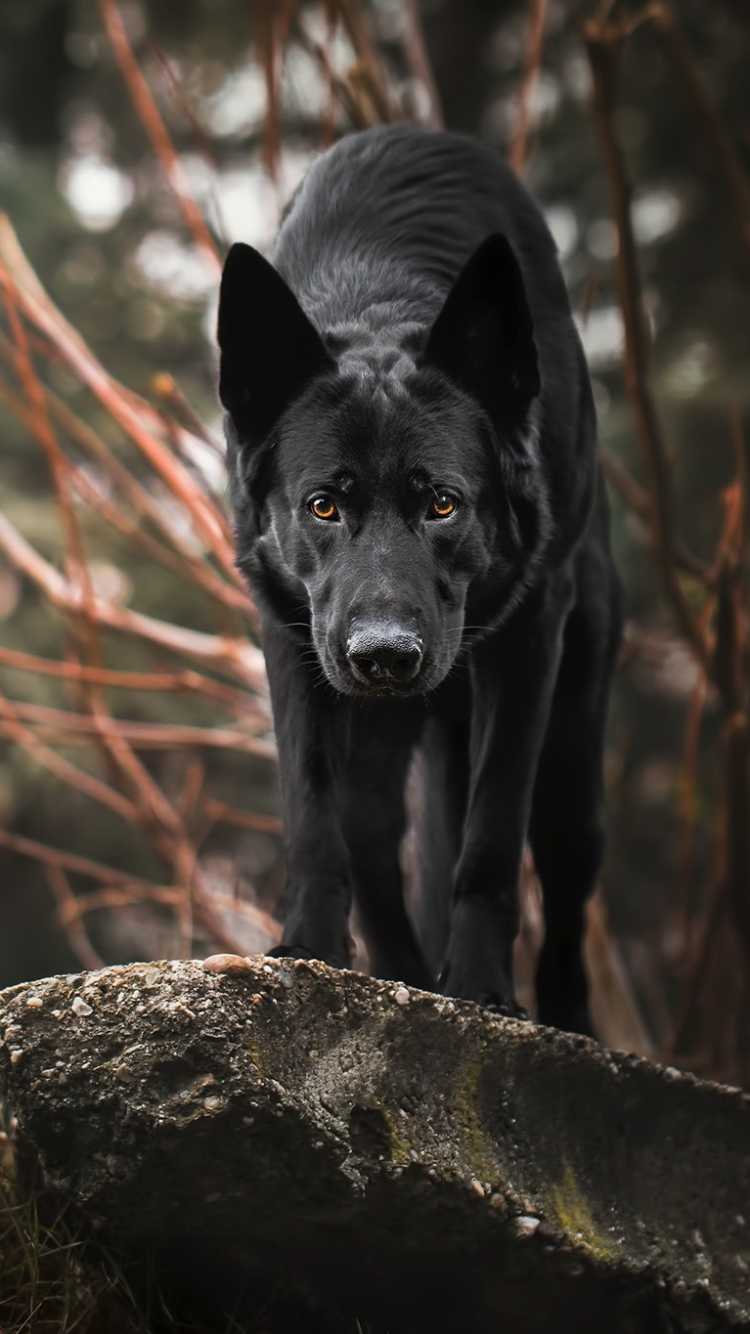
376,349
381,371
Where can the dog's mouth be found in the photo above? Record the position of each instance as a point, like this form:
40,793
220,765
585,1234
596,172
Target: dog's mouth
348,681
358,691
382,690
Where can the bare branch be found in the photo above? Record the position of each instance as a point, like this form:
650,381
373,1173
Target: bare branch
603,42
78,728
73,861
123,406
13,729
636,498
240,702
531,66
238,657
369,70
418,62
723,155
156,130
220,812
69,917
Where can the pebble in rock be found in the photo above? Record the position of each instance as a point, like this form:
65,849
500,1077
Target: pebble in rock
232,964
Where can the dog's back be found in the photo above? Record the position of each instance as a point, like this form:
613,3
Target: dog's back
399,210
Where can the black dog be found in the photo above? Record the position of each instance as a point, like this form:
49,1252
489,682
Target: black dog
420,514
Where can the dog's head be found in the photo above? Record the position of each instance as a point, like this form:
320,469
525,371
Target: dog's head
384,483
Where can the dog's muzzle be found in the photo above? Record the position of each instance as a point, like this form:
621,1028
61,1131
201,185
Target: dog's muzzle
384,654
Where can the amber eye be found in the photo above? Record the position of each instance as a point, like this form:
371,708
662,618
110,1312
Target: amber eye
323,508
442,505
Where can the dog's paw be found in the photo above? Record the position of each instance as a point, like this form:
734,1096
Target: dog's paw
509,1010
335,957
562,986
483,981
479,960
290,952
495,994
569,1018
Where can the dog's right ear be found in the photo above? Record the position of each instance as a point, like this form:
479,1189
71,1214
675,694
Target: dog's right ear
269,348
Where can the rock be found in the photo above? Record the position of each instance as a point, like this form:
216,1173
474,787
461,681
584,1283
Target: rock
419,1166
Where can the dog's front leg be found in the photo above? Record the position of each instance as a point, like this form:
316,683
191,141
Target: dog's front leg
513,680
310,733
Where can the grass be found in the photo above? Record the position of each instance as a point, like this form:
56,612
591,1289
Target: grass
46,1284
53,1281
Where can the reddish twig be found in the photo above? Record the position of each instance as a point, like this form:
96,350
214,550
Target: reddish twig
328,118
261,920
38,419
417,60
190,792
270,58
73,861
739,455
75,555
12,727
603,42
140,499
529,78
237,657
189,567
636,498
94,900
80,727
165,387
115,748
728,669
219,812
724,157
368,73
69,916
688,803
339,88
195,572
156,130
124,407
237,701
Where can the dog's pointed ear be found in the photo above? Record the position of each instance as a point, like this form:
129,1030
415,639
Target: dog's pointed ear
484,336
269,348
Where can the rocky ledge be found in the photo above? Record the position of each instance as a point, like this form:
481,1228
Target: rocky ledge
382,1153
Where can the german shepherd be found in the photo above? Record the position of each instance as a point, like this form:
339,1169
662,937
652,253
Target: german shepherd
421,518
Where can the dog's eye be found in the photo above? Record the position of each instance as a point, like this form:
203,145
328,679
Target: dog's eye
442,505
323,508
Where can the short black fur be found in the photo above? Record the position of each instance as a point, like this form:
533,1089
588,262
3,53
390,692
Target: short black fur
421,517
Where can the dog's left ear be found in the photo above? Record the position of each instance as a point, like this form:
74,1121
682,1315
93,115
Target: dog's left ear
269,348
484,336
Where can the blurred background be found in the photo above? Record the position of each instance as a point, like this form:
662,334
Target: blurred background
138,799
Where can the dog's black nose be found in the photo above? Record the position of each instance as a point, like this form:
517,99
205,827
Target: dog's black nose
384,654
